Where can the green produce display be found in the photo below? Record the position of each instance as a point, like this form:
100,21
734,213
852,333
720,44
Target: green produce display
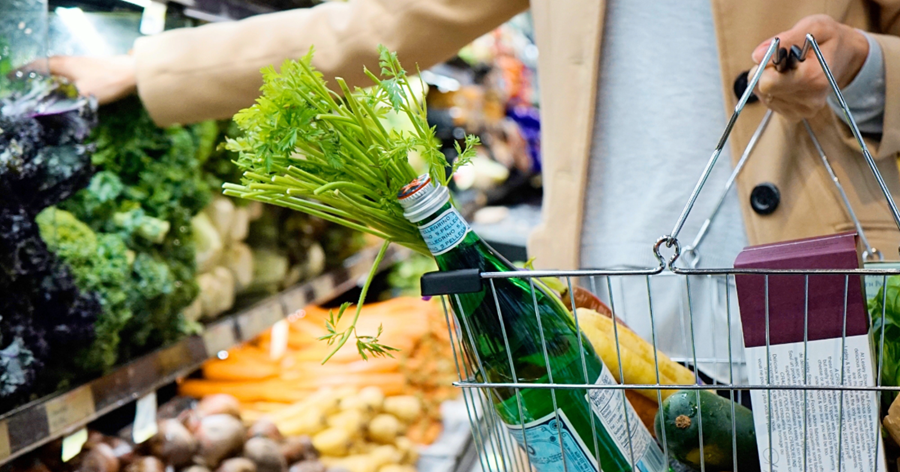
679,419
44,315
100,263
147,189
886,331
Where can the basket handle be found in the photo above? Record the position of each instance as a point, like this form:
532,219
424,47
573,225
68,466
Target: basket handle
783,61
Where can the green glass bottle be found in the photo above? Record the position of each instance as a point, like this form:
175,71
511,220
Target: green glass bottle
590,428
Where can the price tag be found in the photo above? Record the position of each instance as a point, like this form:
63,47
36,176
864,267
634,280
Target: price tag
144,419
259,319
68,409
73,443
219,337
5,449
279,340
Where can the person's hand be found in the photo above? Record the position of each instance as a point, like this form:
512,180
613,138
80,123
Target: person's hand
802,92
106,78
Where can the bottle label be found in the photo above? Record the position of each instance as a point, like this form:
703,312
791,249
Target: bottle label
611,406
553,445
444,232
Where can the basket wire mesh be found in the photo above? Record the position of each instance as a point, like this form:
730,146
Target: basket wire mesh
499,451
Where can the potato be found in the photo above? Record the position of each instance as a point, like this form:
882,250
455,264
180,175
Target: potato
408,450
266,454
100,458
384,428
122,449
220,436
332,442
359,463
386,454
309,422
396,468
237,464
266,428
173,443
357,403
352,421
146,464
407,408
308,466
219,404
372,396
196,468
298,449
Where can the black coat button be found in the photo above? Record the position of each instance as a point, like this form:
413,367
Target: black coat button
740,84
764,198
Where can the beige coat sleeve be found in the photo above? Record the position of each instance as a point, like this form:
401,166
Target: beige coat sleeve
888,36
212,71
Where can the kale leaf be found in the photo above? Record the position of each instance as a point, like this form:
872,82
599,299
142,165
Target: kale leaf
44,313
149,185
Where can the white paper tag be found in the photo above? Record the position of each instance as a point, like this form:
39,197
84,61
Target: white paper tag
279,340
144,419
73,443
832,417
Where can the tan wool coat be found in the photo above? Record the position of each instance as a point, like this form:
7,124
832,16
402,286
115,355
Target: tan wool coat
213,71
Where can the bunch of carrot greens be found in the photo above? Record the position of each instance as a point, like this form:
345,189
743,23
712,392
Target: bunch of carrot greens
328,154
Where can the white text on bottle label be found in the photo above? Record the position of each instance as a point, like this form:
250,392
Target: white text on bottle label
444,232
553,445
630,437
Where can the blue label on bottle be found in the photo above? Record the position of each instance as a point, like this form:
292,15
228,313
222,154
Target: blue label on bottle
444,232
553,445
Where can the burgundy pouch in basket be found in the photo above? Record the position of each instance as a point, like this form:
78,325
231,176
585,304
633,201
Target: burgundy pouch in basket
820,319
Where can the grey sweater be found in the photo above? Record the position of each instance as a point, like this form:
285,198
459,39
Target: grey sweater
660,113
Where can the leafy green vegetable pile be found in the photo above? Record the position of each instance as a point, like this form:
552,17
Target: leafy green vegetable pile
885,334
146,191
43,314
101,264
308,148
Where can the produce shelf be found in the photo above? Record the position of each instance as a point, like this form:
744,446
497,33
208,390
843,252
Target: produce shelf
35,424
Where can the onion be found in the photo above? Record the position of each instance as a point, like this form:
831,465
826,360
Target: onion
173,443
266,428
266,454
298,449
220,436
237,464
219,404
146,464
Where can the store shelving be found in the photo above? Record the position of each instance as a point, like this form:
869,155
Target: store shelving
30,426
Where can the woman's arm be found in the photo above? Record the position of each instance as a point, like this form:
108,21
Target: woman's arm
212,71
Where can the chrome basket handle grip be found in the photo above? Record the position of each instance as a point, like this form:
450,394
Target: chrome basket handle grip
783,61
811,42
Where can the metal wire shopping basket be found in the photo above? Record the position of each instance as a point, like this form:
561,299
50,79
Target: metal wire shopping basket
498,451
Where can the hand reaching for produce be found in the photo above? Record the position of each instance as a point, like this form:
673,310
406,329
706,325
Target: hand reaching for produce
106,78
801,92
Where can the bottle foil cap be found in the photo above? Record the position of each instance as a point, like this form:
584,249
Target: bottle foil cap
420,198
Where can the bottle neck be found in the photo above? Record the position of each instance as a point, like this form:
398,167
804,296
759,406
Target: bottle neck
445,230
446,233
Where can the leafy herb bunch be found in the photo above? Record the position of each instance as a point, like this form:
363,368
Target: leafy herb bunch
311,149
